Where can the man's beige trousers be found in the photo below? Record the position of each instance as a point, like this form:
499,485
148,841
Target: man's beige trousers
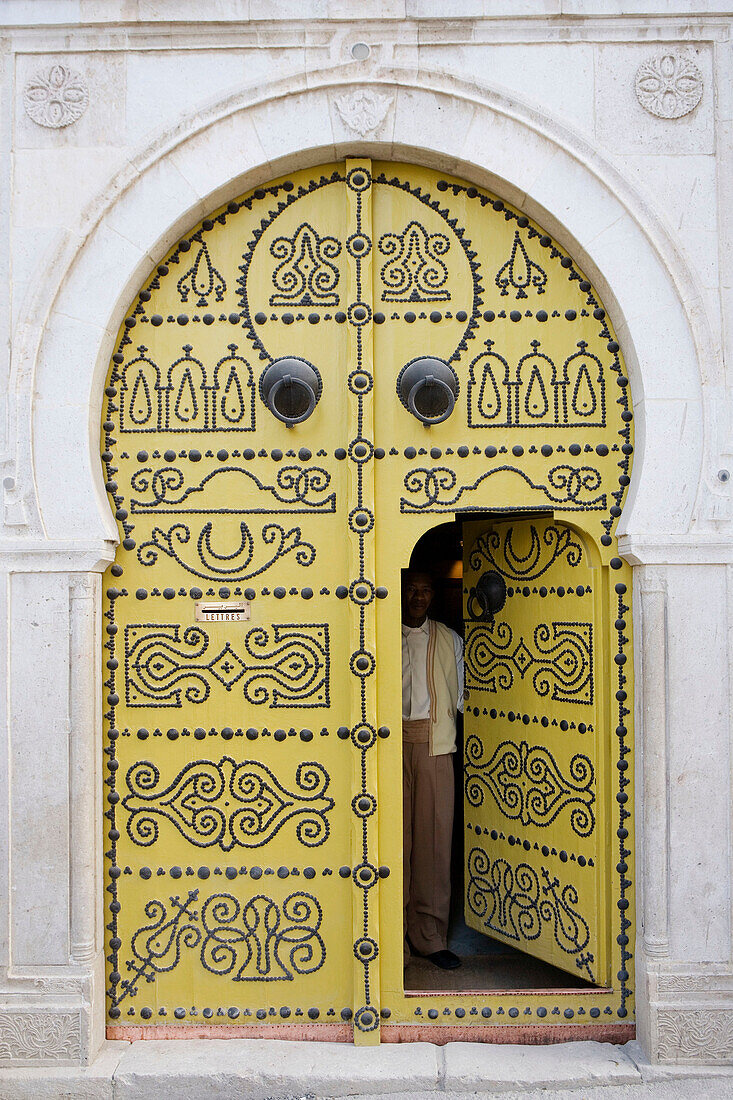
428,796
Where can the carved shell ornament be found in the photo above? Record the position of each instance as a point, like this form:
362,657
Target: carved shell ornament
669,86
363,110
56,98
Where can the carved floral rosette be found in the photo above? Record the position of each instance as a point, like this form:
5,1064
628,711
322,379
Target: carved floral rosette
56,97
669,86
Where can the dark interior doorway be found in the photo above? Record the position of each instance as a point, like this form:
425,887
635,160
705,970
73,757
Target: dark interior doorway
486,963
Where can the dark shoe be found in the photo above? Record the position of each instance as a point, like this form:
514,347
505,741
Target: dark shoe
446,960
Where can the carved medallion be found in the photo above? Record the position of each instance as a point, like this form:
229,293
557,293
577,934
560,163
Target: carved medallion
669,86
56,98
691,1035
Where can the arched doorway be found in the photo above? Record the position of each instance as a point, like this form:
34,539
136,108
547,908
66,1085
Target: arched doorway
314,376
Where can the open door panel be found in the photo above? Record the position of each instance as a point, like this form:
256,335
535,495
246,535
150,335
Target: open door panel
534,751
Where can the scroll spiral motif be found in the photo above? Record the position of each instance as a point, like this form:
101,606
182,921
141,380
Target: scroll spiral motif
254,940
572,487
414,271
528,785
237,566
497,550
297,490
561,664
305,275
197,803
289,669
515,902
363,110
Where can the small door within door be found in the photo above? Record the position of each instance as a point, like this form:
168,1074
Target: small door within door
534,757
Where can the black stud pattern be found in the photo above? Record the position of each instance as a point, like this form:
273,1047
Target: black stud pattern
520,273
184,398
298,490
251,940
496,550
559,659
190,395
246,562
537,393
437,488
515,901
414,271
227,803
528,785
622,798
305,274
202,280
288,666
360,591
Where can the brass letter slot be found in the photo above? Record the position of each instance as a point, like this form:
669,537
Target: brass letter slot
236,612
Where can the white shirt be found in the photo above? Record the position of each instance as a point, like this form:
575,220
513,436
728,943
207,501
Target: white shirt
415,694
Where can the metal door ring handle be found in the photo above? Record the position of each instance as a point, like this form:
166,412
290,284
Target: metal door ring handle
436,380
286,382
298,378
429,381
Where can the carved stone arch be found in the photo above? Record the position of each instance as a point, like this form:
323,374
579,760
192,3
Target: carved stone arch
553,173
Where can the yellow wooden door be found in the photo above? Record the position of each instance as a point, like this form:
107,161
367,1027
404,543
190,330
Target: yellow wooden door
315,375
535,749
235,841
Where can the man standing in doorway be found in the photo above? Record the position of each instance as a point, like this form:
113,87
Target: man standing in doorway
432,694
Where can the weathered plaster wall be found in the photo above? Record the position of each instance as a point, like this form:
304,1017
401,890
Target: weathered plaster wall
187,107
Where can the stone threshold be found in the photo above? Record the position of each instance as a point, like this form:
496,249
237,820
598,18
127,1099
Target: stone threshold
272,1069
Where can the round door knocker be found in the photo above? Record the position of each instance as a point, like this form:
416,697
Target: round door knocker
428,387
290,388
487,598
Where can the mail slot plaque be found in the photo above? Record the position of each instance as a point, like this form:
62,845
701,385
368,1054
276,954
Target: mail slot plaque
234,612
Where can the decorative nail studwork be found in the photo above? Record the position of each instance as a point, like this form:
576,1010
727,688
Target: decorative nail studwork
217,500
226,803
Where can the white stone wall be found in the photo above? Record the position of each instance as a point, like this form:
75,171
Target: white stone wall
182,104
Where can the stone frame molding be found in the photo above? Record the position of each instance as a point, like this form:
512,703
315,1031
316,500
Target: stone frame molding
60,357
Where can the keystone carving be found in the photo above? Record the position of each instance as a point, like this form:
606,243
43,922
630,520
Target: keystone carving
363,110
